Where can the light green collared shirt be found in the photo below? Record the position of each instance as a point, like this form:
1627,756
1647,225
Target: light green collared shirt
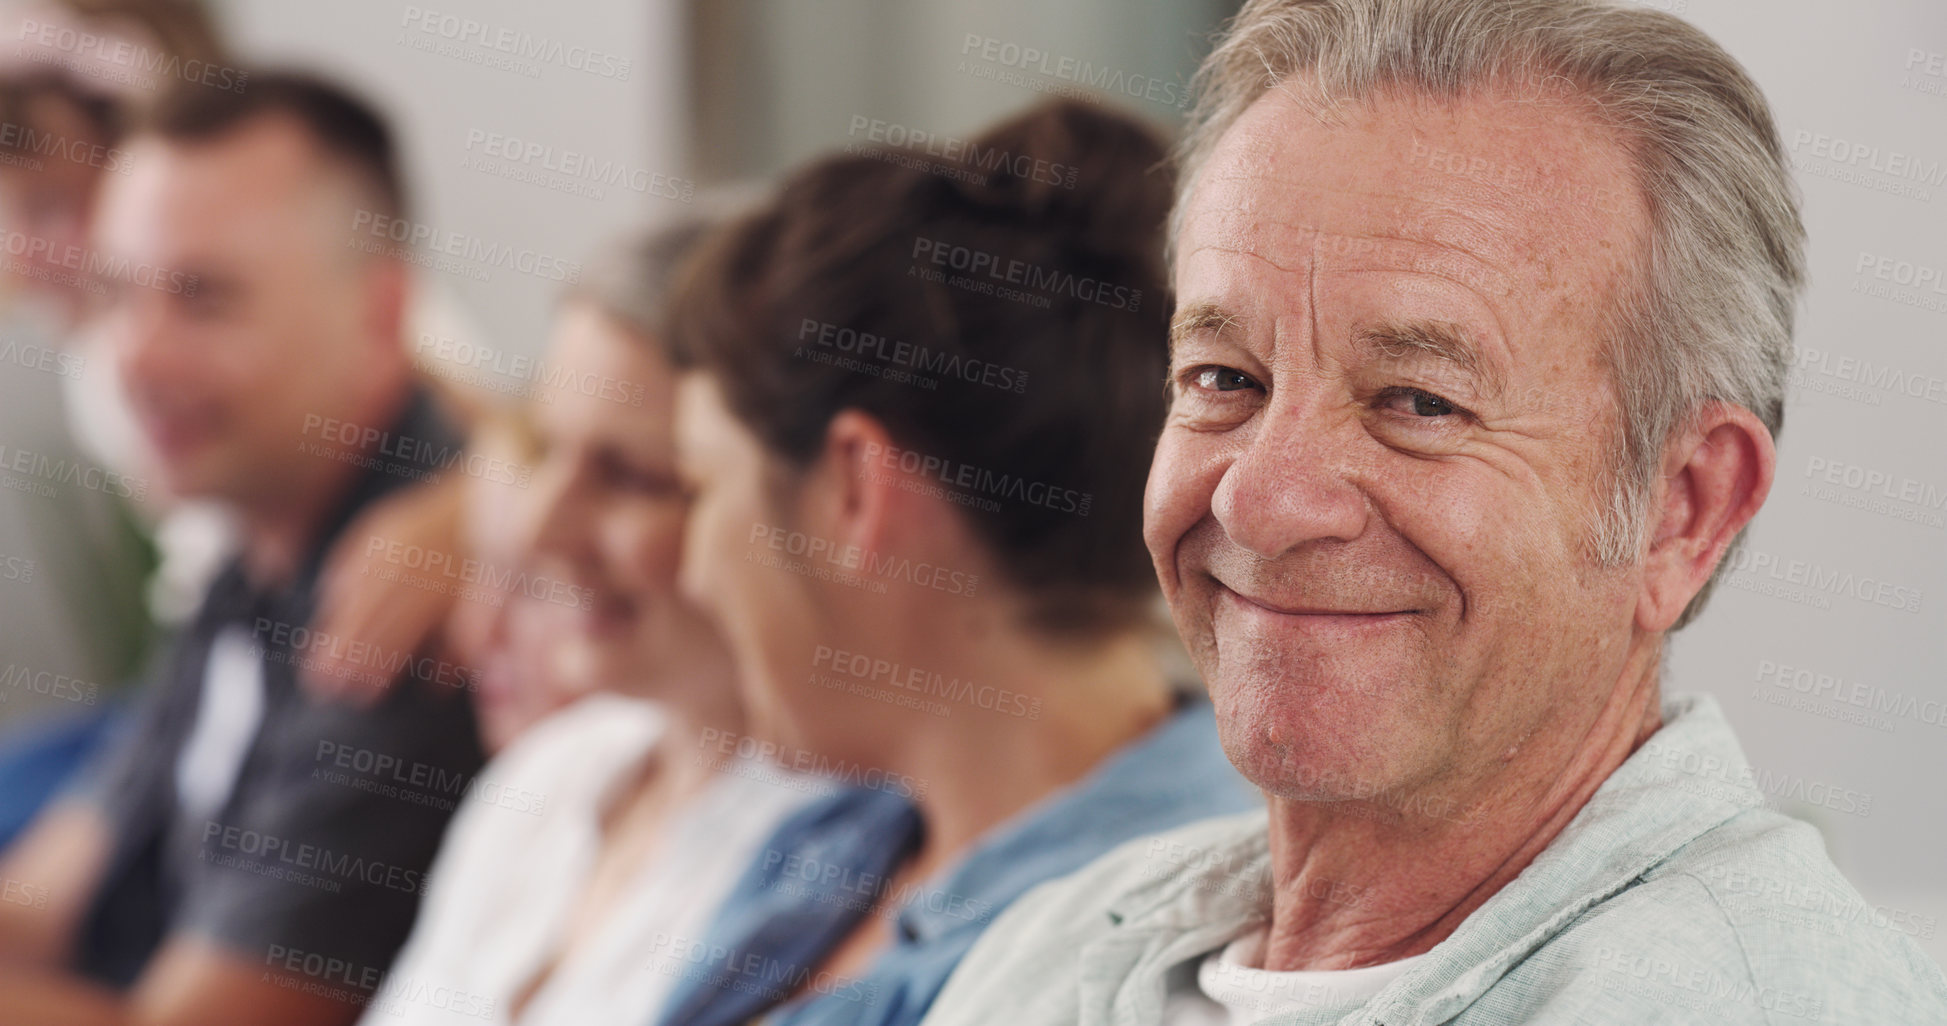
1673,896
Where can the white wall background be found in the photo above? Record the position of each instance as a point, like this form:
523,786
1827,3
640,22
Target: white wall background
437,99
784,79
1841,71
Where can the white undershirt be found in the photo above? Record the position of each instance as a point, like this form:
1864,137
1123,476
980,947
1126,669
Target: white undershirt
1231,991
227,718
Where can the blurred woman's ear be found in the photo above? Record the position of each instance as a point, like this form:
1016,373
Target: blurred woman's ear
848,495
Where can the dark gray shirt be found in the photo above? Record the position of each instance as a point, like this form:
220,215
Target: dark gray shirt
315,861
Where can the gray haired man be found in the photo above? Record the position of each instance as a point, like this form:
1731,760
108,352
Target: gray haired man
1484,311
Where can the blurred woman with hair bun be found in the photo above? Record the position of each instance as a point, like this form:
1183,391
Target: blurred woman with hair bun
916,423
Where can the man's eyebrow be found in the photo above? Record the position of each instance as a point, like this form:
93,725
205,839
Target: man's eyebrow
1199,317
1439,340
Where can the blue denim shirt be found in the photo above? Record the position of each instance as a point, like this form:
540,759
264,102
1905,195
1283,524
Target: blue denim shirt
826,864
1673,896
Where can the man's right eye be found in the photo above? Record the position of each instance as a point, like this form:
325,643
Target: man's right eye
1221,379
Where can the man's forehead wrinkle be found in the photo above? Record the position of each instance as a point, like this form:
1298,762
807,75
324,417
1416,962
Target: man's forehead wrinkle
1501,231
1311,288
1234,223
1417,200
1214,317
1276,241
1449,263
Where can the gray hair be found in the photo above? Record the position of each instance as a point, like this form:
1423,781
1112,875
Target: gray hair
1707,314
633,277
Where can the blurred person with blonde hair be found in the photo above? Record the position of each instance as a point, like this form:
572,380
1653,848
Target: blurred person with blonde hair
600,708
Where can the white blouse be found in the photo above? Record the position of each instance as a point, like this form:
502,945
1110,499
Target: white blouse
523,846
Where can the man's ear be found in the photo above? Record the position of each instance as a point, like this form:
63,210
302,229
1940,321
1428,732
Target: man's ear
1717,472
388,302
849,494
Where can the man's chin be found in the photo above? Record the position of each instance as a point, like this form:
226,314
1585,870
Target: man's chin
1317,774
193,479
1319,738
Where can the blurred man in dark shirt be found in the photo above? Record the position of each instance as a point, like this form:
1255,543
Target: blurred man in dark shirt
245,854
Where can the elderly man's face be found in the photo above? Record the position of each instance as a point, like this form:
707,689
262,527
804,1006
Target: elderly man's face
1371,505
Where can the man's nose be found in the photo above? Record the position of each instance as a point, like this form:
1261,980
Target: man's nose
1291,484
144,347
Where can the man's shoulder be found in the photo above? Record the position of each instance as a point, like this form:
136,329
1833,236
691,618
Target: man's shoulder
1797,917
418,719
1752,919
336,765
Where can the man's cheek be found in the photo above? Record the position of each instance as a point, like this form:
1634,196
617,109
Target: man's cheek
1468,520
1193,609
1176,498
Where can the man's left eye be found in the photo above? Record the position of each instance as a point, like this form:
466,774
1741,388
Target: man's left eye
1419,403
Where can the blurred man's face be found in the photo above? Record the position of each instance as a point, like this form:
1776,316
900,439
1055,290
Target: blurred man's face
278,325
1370,507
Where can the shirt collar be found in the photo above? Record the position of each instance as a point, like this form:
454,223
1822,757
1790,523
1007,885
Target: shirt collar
419,445
1688,778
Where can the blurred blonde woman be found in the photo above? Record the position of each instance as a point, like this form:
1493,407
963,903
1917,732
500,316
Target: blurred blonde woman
596,829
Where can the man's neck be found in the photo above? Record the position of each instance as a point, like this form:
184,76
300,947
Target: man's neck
1357,886
279,531
275,542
